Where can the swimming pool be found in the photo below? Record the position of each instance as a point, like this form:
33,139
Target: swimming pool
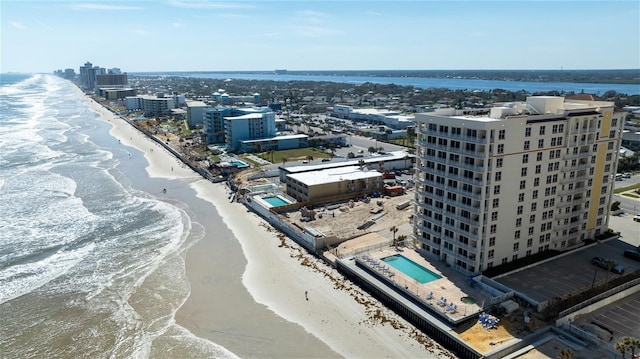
239,164
411,268
275,201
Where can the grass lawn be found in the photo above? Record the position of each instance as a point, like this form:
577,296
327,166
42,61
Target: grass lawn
631,195
295,154
406,142
254,163
628,188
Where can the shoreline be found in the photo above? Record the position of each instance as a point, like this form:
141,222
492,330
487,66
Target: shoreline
275,277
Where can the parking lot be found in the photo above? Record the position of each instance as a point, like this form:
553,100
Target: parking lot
572,273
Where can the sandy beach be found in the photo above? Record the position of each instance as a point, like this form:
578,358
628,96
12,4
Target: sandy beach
305,298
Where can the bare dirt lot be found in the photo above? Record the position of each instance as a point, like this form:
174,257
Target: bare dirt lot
347,220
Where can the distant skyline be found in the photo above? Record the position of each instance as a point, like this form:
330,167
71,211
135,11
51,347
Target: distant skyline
141,36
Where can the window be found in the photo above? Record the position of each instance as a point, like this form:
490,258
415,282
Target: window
490,253
519,210
531,229
501,148
521,197
494,216
541,143
614,122
501,134
516,246
536,182
534,194
498,162
534,206
516,234
526,145
529,242
498,176
527,131
523,184
493,228
539,156
523,171
518,222
496,189
532,218
525,158
492,241
542,128
538,169
612,133
496,202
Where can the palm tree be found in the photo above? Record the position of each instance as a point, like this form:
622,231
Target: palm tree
401,239
566,354
284,160
632,344
394,229
622,348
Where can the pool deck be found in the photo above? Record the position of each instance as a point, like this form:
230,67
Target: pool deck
452,291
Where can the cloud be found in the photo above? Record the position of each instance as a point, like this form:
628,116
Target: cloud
315,31
200,4
177,24
140,32
311,15
232,16
18,25
44,25
103,7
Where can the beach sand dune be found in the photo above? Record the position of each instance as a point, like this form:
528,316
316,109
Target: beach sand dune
306,294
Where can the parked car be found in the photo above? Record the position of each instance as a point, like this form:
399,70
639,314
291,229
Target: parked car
630,253
636,218
604,263
626,175
326,159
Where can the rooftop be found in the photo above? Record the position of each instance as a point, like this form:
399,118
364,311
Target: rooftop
331,175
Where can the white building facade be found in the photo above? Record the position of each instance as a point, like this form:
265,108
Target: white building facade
501,185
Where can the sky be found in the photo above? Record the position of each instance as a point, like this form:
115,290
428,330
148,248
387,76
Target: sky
199,35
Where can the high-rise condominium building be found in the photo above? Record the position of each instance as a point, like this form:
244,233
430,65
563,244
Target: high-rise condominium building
494,185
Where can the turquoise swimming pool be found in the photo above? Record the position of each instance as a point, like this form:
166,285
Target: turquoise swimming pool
275,201
411,268
239,164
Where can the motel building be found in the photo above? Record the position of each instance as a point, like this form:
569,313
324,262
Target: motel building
494,185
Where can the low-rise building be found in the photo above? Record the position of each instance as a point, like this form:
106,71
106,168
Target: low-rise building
277,143
329,182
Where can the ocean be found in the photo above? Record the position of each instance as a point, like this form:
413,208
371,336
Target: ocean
91,265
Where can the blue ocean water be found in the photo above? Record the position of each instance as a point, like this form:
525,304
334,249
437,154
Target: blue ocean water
89,266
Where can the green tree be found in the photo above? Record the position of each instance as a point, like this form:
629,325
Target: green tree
394,230
566,354
622,348
401,239
372,149
615,206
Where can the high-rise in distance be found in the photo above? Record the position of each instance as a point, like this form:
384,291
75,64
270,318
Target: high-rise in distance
494,185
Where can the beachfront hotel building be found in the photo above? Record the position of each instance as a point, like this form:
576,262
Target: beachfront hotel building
250,126
215,122
494,185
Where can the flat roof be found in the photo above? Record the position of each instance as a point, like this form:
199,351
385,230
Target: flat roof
247,116
277,138
332,175
389,156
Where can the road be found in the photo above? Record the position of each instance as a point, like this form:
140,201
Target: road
627,204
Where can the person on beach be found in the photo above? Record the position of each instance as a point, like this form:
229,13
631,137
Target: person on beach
306,295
